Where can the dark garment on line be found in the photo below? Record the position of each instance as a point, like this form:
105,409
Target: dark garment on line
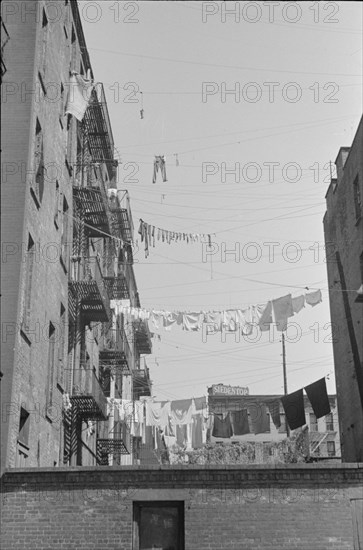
293,404
240,422
200,403
159,164
274,410
259,418
318,397
222,428
197,438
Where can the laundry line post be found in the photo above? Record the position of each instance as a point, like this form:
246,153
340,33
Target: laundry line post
285,377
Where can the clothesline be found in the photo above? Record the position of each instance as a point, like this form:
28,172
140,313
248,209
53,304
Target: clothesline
149,233
276,311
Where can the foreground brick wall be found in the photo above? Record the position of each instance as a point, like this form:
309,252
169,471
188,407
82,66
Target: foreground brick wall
306,507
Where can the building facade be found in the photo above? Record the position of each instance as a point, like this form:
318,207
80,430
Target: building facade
322,434
67,236
343,229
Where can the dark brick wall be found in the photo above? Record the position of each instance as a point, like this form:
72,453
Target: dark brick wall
286,507
344,233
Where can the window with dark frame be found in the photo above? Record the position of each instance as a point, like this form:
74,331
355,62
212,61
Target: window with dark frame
51,369
37,182
331,448
24,424
158,524
62,340
56,204
329,422
357,199
27,297
313,422
61,105
44,39
64,256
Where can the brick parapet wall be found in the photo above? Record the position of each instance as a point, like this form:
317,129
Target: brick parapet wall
305,507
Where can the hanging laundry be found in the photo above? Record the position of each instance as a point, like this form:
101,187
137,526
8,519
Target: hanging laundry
230,320
313,298
222,428
181,411
282,308
266,317
214,318
192,321
159,164
181,434
298,303
170,428
200,404
197,435
170,319
157,414
240,422
259,418
79,95
156,320
248,327
293,404
143,232
274,410
318,397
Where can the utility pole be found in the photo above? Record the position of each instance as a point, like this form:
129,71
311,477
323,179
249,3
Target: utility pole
285,377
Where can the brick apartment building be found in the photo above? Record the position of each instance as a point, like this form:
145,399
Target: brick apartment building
322,433
66,252
343,228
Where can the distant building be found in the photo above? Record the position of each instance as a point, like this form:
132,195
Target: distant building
323,433
343,229
66,253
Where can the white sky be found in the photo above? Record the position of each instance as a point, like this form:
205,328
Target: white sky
168,54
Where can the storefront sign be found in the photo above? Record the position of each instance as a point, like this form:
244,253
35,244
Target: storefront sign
221,389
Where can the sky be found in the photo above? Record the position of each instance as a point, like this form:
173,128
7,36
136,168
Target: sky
295,77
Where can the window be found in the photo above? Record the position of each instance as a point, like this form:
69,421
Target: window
331,448
28,275
37,183
24,422
357,199
313,423
56,205
69,156
329,422
61,105
51,366
64,256
158,525
4,41
73,51
44,42
282,428
61,354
